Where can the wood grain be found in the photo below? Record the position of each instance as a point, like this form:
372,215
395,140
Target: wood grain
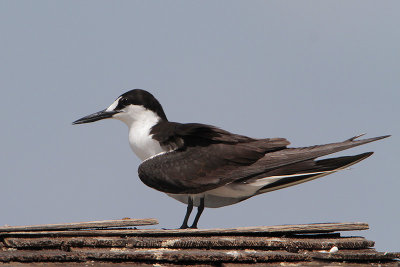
295,245
260,230
80,225
216,242
350,255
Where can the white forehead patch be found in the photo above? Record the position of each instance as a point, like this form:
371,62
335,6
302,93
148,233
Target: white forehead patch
113,105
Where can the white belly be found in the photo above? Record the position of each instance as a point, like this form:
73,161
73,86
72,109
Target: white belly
235,192
222,196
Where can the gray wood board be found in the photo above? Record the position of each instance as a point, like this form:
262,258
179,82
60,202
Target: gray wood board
80,225
184,242
260,230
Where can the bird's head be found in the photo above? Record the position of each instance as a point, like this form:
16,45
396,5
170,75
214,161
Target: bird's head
134,105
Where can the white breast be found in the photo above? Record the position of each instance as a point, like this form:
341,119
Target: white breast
140,121
141,142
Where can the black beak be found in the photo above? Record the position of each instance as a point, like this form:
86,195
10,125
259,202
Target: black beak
103,114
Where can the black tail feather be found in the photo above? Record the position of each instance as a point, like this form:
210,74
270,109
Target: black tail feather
289,156
307,173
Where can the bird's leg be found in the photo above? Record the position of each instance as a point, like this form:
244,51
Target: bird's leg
199,212
188,211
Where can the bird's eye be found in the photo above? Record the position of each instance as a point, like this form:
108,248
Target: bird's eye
123,101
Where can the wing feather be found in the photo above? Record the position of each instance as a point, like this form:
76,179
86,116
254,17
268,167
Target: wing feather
197,134
196,169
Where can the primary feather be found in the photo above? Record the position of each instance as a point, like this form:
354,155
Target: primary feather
206,158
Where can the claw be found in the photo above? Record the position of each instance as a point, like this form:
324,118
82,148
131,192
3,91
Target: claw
184,227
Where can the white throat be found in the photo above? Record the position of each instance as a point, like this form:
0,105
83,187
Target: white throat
140,121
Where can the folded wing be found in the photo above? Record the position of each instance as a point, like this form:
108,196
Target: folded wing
202,163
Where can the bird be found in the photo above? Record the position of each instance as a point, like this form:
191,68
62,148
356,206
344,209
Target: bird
202,165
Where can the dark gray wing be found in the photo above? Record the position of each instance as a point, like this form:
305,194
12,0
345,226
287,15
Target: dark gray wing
288,156
198,169
203,155
173,135
195,169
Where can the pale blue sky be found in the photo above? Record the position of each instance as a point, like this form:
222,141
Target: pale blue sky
311,71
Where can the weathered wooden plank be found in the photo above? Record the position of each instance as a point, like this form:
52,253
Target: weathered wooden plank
351,255
191,255
217,242
261,230
313,263
40,256
105,264
80,225
143,264
153,255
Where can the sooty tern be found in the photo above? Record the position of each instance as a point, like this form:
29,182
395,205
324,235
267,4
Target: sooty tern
205,166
